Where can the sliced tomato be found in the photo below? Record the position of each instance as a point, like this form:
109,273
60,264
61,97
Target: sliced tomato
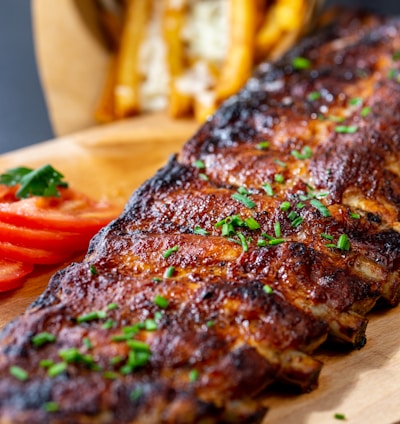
44,239
32,255
12,274
72,212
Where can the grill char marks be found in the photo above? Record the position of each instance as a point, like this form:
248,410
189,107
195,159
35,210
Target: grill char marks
275,228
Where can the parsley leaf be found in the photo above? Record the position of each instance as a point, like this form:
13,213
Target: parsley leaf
43,181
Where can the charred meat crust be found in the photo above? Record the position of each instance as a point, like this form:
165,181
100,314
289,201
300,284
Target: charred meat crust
219,278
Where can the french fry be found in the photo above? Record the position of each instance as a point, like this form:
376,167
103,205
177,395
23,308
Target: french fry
179,103
238,64
126,91
283,18
257,30
104,111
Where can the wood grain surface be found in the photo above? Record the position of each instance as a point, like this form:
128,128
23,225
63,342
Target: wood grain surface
110,162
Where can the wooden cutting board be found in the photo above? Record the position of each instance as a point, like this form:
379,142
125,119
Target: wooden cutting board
110,162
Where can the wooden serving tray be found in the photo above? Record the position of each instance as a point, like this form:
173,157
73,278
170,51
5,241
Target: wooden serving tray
110,162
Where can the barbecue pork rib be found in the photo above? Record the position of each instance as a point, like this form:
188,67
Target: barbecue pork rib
275,228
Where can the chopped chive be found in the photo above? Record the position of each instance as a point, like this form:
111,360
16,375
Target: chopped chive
115,360
93,270
138,345
203,177
170,251
169,272
199,164
42,338
268,189
268,289
280,163
365,111
301,63
263,145
19,373
87,342
322,209
46,363
243,190
306,153
275,241
243,242
199,231
396,55
57,369
326,236
70,355
227,229
285,206
339,416
331,245
135,394
277,229
158,315
51,406
261,242
91,316
138,358
343,242
296,222
210,324
150,325
392,73
279,178
337,119
300,205
314,95
161,301
193,375
112,306
356,101
243,199
157,279
292,215
346,129
110,323
304,197
110,375
355,215
251,223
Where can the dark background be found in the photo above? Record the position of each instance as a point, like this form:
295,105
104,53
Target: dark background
23,116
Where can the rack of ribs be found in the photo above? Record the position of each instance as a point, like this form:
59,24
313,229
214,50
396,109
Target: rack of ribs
274,229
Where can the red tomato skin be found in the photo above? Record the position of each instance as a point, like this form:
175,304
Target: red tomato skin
12,274
72,212
32,255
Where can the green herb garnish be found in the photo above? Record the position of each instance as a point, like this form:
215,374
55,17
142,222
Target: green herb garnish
51,407
199,231
279,178
314,95
301,63
242,198
306,153
268,189
170,251
57,369
193,375
161,301
263,145
268,289
19,373
346,129
91,316
365,111
169,272
43,181
199,164
323,210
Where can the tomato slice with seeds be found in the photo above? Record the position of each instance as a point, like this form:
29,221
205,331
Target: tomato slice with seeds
72,212
12,274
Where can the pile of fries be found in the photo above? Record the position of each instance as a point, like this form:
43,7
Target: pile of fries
187,56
